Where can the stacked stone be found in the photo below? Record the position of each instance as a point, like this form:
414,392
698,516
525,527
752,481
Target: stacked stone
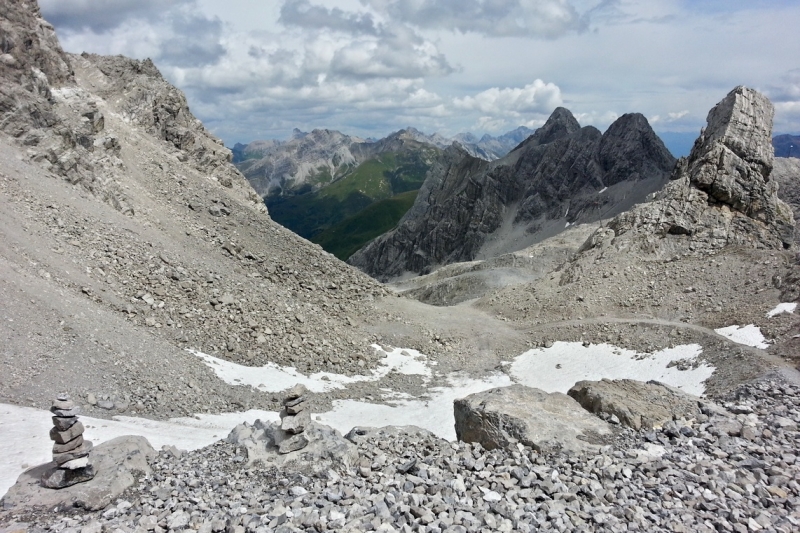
70,450
295,418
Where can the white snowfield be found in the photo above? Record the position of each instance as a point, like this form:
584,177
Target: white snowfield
782,308
274,378
551,369
749,335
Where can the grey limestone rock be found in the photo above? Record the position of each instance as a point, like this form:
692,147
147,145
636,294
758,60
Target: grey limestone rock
721,195
114,462
636,404
500,418
320,448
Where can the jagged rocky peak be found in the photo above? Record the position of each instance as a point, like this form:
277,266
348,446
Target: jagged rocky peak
630,146
561,175
720,195
561,123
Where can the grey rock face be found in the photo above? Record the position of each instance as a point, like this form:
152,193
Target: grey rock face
500,418
635,404
722,194
563,174
278,166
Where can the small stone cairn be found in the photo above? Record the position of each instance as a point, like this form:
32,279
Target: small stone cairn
70,450
295,418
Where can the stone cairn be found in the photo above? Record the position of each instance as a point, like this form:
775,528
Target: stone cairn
295,418
70,450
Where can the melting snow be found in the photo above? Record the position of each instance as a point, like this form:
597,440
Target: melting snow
601,191
558,368
434,414
749,335
274,378
782,308
26,429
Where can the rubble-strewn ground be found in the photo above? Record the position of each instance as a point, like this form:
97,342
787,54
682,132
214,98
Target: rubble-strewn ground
734,468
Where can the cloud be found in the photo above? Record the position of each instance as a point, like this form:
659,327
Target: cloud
102,16
171,32
671,117
303,14
496,18
184,49
536,97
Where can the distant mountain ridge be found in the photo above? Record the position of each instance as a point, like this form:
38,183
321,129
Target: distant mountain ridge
563,174
318,183
786,145
322,155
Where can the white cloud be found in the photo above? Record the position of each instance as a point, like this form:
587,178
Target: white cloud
536,97
368,67
101,16
497,18
671,117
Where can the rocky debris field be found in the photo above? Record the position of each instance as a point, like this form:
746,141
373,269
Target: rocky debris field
734,467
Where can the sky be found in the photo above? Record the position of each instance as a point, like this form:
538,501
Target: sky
257,69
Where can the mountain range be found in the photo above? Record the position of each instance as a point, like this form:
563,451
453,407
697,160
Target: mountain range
638,371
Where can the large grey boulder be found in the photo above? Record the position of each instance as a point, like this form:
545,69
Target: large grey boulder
548,422
115,462
322,447
469,208
636,404
721,195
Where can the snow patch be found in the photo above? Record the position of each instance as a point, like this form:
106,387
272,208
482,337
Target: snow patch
275,378
558,368
434,413
782,308
601,191
26,429
749,335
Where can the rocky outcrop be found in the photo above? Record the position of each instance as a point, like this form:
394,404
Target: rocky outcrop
53,103
115,463
139,93
548,422
721,195
322,447
563,174
633,403
31,62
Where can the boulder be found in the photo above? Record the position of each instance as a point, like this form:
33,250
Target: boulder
548,422
114,462
320,447
636,404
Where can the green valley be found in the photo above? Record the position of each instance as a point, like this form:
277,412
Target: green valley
367,201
